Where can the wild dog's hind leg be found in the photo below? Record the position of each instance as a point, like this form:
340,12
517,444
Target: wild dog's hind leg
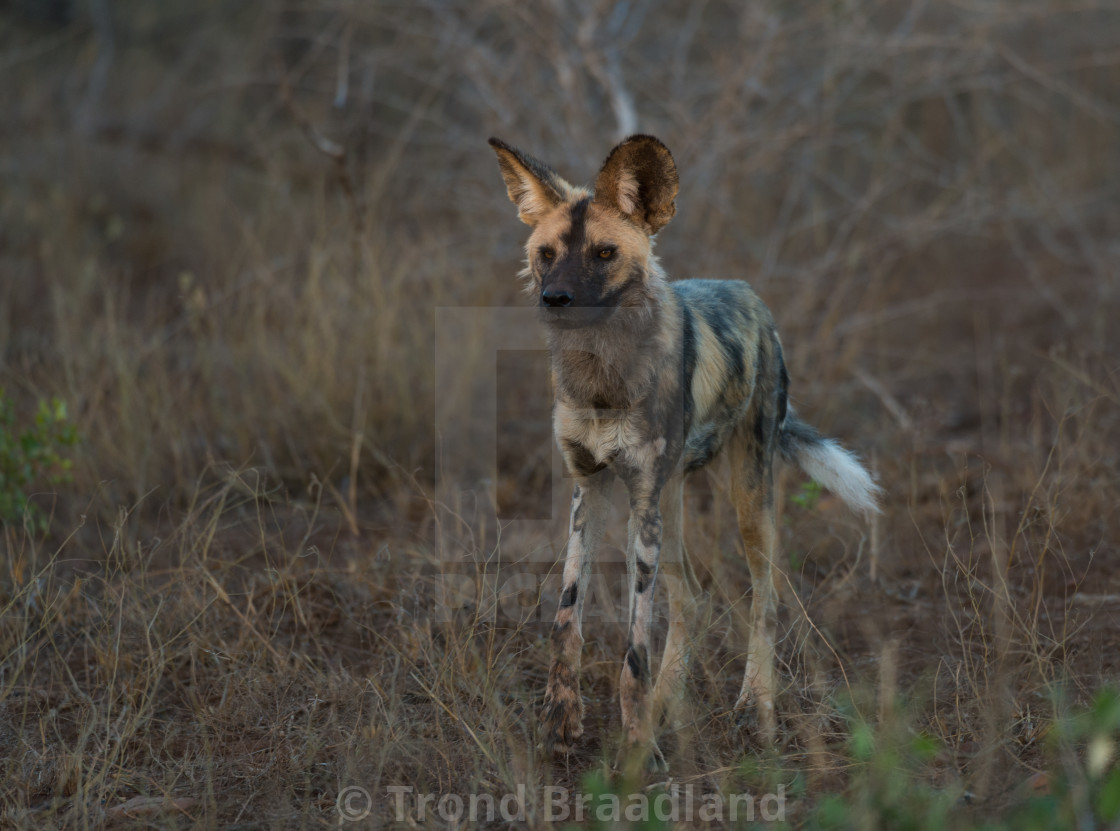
684,589
752,490
643,553
562,716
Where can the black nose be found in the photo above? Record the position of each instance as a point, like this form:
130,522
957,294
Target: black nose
556,297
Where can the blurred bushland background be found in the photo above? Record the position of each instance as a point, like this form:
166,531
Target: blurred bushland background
225,229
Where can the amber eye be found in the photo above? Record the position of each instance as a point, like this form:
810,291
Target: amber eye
606,253
547,253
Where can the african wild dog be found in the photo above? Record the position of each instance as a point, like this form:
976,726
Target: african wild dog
653,379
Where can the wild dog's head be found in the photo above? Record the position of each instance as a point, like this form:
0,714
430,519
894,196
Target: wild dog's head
590,253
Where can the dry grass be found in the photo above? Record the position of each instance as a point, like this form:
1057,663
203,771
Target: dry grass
224,232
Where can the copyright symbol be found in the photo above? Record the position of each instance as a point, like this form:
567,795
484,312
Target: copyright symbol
353,803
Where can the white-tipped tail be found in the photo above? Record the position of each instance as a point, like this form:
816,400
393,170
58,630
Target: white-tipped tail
829,464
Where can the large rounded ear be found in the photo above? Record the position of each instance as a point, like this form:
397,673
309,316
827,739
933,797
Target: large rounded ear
532,185
639,179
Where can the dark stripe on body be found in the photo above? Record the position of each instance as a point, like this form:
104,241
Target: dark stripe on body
783,389
688,364
580,459
762,409
645,576
637,660
703,453
568,598
723,321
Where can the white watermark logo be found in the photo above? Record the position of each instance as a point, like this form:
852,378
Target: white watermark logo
353,804
557,804
454,808
678,804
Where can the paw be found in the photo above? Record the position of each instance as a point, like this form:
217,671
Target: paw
757,718
745,701
562,717
745,713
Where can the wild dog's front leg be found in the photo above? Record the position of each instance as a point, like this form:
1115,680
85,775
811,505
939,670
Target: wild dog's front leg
562,716
643,552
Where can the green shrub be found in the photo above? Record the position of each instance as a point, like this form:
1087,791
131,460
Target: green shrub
807,496
32,458
1083,782
1080,787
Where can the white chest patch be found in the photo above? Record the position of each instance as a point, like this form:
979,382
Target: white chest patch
608,435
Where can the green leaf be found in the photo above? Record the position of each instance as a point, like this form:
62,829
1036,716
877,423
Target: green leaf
1108,799
862,742
32,458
